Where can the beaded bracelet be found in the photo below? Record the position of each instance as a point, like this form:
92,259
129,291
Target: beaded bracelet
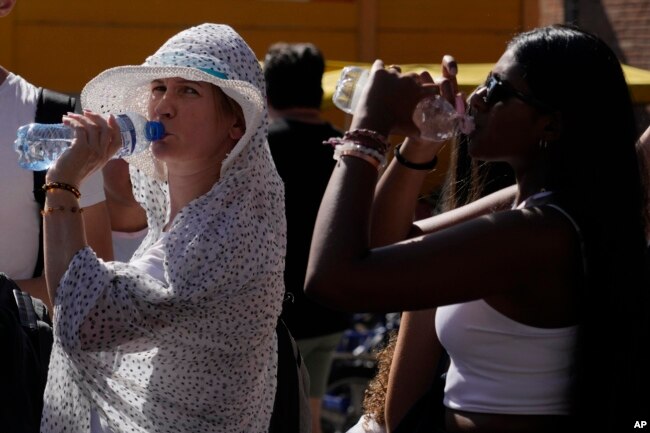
373,138
361,155
50,210
415,165
380,158
362,137
60,185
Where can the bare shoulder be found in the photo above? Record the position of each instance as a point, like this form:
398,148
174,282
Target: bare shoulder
547,270
520,243
540,230
506,252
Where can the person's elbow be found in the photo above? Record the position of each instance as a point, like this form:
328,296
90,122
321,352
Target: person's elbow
323,287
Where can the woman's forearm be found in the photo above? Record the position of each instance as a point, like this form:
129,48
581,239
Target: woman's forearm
397,194
497,201
345,210
64,235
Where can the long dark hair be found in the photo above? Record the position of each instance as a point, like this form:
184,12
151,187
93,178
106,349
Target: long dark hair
595,171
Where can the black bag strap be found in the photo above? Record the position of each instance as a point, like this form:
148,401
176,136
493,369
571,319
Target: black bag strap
35,320
50,108
286,408
27,337
26,311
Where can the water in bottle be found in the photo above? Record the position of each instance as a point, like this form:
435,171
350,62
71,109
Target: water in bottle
349,88
39,145
436,118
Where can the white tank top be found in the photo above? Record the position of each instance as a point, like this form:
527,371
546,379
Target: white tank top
499,365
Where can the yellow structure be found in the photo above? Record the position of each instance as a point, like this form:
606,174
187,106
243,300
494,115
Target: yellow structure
64,43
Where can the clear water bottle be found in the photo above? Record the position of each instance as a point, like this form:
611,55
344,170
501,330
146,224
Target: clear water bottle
39,144
436,118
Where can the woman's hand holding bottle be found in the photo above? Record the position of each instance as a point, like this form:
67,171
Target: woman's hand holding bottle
96,141
412,104
387,102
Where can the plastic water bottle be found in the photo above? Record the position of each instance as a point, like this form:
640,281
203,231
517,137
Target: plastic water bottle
39,144
436,118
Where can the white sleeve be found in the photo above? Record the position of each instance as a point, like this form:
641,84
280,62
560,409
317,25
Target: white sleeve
367,424
92,190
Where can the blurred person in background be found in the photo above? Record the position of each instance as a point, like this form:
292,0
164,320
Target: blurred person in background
293,74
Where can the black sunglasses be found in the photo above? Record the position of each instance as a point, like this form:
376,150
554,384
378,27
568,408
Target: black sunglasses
499,90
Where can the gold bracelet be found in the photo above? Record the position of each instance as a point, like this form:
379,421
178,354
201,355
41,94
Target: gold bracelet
60,185
49,210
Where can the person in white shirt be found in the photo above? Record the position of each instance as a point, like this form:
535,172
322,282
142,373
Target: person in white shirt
19,213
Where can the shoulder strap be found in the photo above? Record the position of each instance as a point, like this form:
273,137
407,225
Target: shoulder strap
36,322
26,311
291,407
50,108
573,222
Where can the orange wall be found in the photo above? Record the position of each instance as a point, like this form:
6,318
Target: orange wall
62,44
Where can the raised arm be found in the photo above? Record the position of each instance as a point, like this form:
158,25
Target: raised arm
97,230
448,265
63,223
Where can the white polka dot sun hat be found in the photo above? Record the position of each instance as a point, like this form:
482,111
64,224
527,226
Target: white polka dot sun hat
213,53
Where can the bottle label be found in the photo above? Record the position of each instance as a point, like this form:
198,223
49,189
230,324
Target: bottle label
127,130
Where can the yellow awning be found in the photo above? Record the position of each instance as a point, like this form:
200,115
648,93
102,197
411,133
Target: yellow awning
471,75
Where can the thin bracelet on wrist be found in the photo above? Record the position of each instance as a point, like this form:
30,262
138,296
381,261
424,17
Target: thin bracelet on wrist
48,210
414,165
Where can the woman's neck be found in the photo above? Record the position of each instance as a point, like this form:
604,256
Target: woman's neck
531,182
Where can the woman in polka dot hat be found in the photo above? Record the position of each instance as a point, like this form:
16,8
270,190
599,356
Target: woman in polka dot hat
182,338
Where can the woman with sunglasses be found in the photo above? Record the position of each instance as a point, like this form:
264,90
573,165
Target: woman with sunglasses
542,306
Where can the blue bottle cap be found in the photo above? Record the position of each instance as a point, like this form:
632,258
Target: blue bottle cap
154,130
